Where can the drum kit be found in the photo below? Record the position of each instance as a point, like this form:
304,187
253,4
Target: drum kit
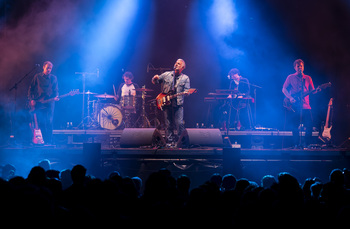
103,112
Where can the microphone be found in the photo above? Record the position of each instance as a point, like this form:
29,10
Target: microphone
98,72
147,68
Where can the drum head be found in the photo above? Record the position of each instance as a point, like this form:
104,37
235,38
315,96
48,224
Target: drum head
110,117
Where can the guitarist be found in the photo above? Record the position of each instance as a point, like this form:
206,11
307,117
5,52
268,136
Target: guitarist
174,82
44,86
294,87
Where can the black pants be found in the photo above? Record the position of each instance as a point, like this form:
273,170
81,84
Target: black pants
45,121
294,122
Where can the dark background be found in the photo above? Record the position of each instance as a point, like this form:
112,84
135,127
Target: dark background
261,38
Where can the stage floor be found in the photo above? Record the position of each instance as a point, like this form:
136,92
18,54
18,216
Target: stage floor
261,153
198,163
270,139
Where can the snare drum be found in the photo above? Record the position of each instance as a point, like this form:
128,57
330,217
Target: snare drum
128,102
110,116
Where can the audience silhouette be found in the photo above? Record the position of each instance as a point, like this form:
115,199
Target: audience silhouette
72,196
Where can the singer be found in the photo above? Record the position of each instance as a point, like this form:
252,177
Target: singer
174,82
44,87
294,87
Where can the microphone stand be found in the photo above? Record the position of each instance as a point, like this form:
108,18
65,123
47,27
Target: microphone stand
255,87
15,86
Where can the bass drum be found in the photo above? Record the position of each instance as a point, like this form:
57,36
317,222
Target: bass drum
110,117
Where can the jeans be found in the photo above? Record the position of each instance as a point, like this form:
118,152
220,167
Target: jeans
173,116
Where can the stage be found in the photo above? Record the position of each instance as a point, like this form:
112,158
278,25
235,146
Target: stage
100,152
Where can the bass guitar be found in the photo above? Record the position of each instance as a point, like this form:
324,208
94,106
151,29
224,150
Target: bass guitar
298,97
165,99
326,133
39,103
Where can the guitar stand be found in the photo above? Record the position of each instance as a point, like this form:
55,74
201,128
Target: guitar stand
155,120
145,123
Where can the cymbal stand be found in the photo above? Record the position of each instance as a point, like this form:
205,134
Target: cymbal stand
82,123
143,116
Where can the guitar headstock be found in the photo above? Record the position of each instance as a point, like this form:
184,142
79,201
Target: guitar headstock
330,102
325,85
74,92
192,90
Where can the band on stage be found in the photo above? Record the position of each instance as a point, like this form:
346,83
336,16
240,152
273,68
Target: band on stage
229,108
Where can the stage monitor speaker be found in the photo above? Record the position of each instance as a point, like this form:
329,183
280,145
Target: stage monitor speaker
196,137
136,137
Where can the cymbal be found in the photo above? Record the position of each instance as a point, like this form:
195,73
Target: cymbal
105,96
142,89
88,93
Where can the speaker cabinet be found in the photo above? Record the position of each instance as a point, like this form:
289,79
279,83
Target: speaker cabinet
136,137
196,137
92,157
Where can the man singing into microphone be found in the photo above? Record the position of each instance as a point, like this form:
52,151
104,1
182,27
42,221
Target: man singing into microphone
295,85
174,82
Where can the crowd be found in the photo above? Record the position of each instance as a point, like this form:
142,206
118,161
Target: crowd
71,196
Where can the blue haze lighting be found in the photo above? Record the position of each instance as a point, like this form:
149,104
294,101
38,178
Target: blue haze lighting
222,18
110,33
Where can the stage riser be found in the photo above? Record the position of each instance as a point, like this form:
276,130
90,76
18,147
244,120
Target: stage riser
247,139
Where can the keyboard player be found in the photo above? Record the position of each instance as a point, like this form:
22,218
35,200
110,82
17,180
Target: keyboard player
238,117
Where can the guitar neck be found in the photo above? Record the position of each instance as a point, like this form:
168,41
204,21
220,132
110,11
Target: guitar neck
178,94
327,118
52,99
35,121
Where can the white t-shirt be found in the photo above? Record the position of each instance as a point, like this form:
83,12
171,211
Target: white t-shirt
128,90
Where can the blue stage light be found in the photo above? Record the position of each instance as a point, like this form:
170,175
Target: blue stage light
109,34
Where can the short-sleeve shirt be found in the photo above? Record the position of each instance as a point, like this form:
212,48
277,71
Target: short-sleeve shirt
294,85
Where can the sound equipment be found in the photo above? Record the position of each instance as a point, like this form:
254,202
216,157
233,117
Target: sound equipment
136,137
92,157
195,137
231,163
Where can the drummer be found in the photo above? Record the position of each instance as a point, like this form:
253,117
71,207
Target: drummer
127,88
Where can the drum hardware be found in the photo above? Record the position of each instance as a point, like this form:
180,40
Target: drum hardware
144,122
87,93
143,89
110,117
105,96
84,74
155,120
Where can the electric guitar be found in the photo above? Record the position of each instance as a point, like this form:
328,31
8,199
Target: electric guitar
39,103
165,99
37,135
326,133
298,97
